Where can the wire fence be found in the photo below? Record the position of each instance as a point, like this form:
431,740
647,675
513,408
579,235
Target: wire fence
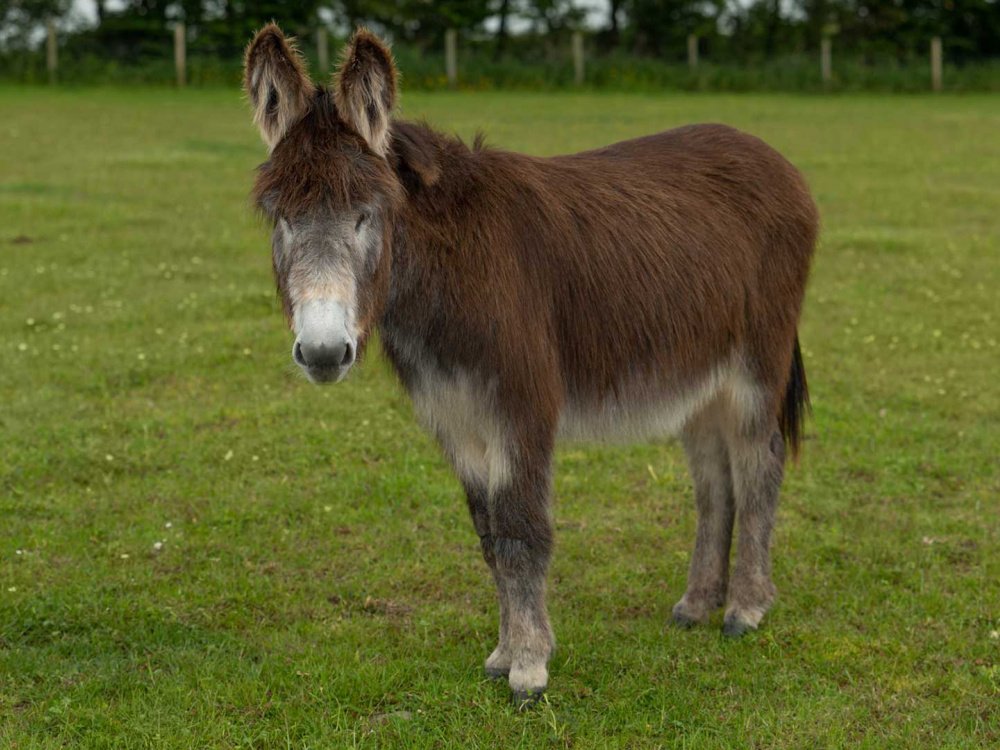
465,65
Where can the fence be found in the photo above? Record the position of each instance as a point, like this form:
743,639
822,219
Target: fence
451,59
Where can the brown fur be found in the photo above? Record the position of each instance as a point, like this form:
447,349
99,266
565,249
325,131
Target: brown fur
664,253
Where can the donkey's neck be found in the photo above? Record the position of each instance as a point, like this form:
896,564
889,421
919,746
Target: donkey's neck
452,241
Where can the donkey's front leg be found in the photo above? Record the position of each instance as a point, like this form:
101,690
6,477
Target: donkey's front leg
498,663
520,547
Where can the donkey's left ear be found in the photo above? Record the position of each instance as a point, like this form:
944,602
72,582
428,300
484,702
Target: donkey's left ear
276,82
366,89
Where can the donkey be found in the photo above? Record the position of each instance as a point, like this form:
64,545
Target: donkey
649,288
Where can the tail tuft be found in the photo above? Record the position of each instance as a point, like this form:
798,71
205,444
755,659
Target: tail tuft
793,412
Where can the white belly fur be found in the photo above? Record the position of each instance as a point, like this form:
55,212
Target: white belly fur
461,410
644,413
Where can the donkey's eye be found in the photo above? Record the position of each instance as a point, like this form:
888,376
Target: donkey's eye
362,218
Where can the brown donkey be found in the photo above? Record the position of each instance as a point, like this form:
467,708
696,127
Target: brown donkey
645,289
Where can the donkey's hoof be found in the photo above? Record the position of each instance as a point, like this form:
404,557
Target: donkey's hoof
527,699
734,627
496,673
681,621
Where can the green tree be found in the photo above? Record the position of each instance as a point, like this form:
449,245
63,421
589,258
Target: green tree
19,19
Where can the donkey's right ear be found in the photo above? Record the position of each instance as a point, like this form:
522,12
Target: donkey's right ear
276,82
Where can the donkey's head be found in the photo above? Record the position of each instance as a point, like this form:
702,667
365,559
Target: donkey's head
330,191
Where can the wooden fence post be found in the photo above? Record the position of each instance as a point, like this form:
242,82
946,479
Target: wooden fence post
322,50
578,69
826,59
180,54
693,51
51,51
936,63
451,56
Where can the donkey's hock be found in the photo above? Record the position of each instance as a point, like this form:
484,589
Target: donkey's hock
646,289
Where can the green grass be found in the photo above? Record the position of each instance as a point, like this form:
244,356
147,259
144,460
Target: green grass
319,584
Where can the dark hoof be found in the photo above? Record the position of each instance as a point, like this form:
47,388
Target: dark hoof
527,699
735,628
682,622
496,674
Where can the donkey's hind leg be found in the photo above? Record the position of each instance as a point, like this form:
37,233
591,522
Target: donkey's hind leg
708,459
757,453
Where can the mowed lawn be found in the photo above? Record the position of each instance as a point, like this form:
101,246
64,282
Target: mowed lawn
200,550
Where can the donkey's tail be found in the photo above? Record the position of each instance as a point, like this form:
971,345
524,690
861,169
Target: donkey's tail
796,405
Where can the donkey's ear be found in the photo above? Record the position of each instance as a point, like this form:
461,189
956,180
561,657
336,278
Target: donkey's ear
366,89
276,82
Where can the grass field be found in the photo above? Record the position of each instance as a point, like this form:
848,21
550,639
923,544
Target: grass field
200,550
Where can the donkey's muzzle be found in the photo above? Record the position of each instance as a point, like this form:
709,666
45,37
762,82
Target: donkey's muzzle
324,348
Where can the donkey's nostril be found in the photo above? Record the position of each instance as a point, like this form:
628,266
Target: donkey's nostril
348,358
297,355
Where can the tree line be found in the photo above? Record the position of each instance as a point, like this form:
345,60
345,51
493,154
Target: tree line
729,30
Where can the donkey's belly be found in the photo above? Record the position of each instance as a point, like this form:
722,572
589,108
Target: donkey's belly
640,412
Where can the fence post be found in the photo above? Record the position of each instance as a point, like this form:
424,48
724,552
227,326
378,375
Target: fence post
51,50
451,56
936,63
692,51
322,50
578,69
180,54
826,59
